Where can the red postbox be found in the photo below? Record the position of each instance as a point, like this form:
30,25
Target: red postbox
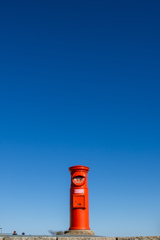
79,199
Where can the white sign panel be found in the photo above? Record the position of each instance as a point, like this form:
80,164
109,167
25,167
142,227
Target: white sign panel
78,190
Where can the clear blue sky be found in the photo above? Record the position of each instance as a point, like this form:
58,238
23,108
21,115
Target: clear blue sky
80,85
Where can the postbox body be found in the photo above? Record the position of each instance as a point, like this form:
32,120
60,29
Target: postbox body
79,199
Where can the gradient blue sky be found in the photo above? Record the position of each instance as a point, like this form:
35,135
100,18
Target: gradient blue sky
80,85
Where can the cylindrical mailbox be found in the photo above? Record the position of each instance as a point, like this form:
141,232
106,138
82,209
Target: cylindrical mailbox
79,199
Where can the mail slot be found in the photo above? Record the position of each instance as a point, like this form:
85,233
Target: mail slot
79,200
78,180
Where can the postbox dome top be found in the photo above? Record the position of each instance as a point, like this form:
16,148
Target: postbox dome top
79,167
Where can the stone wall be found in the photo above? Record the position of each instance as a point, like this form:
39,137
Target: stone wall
74,237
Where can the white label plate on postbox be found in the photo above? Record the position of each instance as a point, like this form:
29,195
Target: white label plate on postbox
78,190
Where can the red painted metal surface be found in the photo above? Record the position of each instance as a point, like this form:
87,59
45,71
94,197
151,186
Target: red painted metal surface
79,199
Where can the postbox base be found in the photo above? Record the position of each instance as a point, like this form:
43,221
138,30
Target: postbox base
79,232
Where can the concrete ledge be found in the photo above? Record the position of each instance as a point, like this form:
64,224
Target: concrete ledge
17,237
57,237
139,238
74,237
82,237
